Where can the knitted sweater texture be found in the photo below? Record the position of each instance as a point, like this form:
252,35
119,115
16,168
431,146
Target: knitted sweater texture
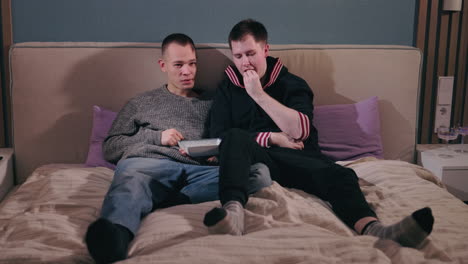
137,130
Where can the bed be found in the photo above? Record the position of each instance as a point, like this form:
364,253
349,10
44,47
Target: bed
64,96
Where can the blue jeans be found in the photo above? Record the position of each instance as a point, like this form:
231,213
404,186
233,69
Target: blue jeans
141,185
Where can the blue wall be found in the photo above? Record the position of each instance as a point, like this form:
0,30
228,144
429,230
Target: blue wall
288,21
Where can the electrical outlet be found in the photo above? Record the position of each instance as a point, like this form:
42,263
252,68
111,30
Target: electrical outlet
444,102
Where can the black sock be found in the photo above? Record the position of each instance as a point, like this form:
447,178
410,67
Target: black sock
107,242
411,231
424,218
226,220
214,216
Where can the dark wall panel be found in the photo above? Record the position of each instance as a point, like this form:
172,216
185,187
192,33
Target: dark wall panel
293,21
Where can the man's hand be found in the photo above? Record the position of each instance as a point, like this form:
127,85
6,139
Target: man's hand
281,139
252,83
171,137
183,153
212,160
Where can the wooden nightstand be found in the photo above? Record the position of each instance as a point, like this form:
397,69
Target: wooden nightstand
453,172
6,171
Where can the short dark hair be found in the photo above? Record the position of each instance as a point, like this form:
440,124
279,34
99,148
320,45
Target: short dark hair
178,38
248,27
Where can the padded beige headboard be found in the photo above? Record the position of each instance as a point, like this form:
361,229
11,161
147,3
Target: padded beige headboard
54,86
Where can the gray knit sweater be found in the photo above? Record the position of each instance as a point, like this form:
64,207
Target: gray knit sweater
136,132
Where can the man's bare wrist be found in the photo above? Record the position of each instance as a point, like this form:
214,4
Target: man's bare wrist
271,139
259,96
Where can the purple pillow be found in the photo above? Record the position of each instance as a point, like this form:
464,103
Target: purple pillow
349,131
102,122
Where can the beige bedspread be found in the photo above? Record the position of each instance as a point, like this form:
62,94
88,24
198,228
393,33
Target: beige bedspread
44,221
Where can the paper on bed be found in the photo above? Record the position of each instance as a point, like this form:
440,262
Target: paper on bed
201,147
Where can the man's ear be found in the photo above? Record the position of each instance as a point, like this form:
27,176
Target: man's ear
162,65
266,49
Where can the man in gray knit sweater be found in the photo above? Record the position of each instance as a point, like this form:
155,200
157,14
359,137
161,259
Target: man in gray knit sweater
151,172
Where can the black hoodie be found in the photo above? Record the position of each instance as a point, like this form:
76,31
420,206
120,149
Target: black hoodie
233,107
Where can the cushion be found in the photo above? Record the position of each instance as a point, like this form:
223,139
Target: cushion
345,132
349,131
102,122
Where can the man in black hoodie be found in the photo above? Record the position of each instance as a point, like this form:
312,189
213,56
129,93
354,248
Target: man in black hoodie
264,114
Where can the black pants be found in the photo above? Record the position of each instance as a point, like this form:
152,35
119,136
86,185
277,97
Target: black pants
312,173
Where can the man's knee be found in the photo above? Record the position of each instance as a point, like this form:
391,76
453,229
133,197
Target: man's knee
129,165
259,177
339,175
344,173
131,173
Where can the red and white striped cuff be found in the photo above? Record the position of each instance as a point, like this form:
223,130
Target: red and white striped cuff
262,139
305,126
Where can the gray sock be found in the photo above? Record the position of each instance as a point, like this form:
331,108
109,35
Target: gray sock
226,220
408,232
